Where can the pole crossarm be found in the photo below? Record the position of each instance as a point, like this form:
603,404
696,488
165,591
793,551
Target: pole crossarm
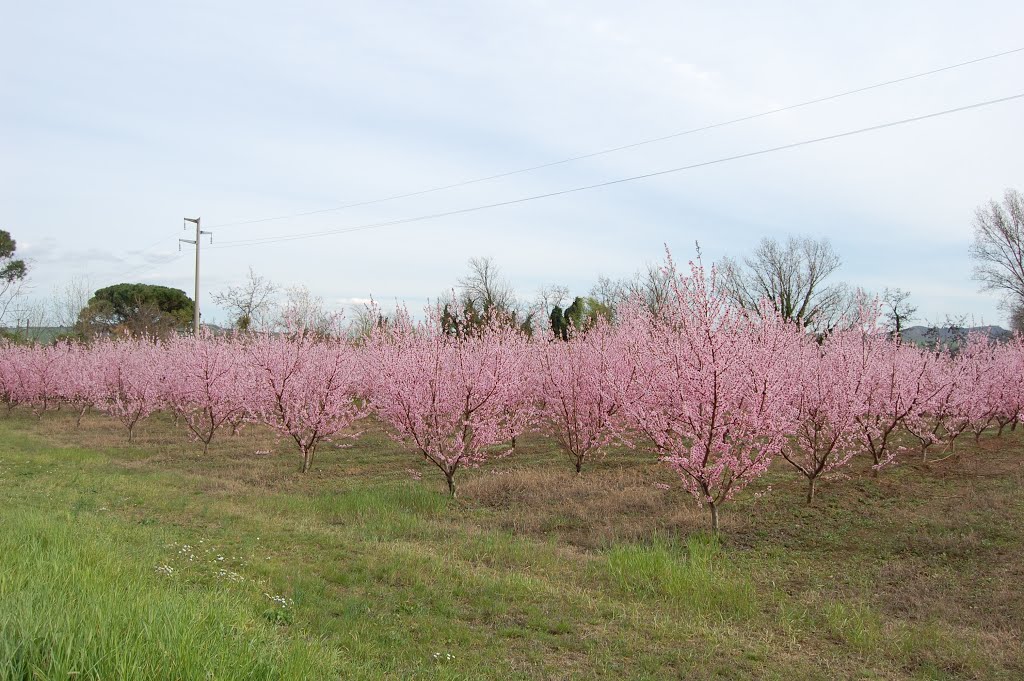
196,242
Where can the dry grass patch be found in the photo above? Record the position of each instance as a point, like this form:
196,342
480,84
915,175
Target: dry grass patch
592,510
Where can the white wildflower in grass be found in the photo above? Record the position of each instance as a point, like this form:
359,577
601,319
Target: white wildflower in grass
230,575
443,657
280,601
165,570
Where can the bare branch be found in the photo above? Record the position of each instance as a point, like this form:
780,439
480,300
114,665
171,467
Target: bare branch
249,304
998,247
791,278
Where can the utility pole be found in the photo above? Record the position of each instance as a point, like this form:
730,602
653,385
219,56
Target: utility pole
199,233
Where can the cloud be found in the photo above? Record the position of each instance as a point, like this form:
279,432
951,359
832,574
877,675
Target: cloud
358,103
353,302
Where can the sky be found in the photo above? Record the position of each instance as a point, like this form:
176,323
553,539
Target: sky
119,119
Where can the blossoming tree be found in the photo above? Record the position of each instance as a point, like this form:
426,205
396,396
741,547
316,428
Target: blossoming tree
447,394
715,386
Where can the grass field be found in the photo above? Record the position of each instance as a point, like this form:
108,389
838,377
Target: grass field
154,561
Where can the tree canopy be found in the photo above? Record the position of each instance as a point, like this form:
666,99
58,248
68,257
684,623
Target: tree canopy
998,248
137,310
13,272
791,277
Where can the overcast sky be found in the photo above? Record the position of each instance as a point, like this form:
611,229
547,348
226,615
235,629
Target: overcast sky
119,119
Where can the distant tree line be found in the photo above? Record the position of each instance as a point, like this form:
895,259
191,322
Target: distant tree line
792,278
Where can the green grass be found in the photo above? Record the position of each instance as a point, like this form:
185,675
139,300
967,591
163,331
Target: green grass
82,598
695,577
153,561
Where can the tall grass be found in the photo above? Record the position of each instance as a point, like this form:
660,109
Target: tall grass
80,598
695,577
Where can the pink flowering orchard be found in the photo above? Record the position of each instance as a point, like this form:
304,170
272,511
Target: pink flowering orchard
1008,364
942,416
41,376
829,396
80,380
582,384
714,391
129,381
993,395
896,389
303,386
448,394
204,383
715,387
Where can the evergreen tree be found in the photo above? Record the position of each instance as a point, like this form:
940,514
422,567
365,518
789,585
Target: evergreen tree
558,326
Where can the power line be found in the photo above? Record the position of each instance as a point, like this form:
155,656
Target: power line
145,269
736,157
155,243
624,147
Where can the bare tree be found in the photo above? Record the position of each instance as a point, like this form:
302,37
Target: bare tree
550,296
1017,318
482,295
68,301
650,285
998,247
897,309
791,277
31,316
609,292
304,311
248,303
485,289
367,316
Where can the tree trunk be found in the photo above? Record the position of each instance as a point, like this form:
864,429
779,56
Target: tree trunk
714,518
579,466
450,477
78,422
810,491
131,433
307,459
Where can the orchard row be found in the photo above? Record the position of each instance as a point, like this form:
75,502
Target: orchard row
716,392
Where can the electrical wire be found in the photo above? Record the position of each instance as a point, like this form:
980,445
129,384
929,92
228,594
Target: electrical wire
145,269
609,183
624,147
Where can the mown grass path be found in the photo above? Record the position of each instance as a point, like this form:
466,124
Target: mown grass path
153,561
